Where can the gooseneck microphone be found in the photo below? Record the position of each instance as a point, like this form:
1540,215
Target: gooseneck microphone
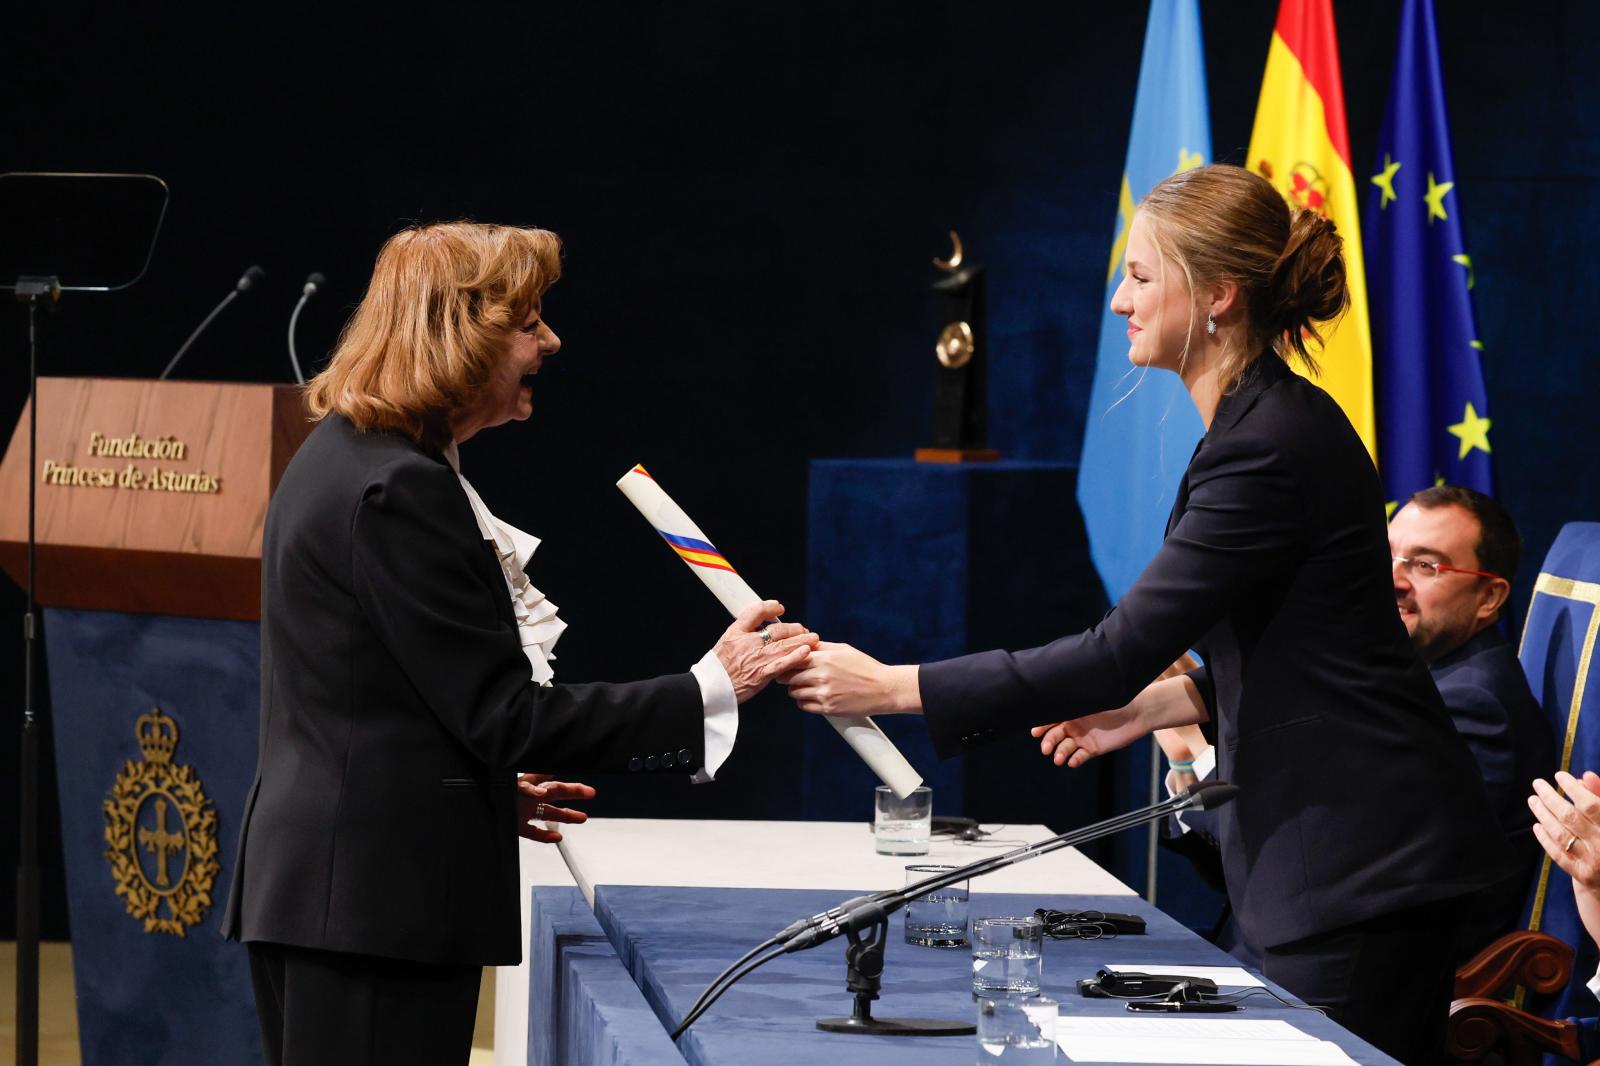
853,915
246,280
314,281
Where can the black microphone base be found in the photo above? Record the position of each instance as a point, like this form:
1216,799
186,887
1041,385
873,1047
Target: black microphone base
897,1026
862,1021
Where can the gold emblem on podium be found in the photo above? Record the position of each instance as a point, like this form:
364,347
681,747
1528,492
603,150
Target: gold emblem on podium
161,833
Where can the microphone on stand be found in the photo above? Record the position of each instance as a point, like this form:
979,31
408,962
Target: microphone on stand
314,282
246,280
872,911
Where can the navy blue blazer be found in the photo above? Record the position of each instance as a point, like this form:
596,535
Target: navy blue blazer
1487,693
1357,796
396,707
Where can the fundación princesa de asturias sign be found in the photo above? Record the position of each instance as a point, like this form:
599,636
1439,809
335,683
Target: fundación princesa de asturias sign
144,471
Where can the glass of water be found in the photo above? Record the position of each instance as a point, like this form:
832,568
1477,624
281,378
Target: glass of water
1017,1031
939,918
903,826
1007,956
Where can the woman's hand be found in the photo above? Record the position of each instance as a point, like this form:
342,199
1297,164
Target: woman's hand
534,793
1569,831
753,656
1181,744
1077,740
840,680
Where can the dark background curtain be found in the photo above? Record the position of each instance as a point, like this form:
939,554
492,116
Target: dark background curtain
750,195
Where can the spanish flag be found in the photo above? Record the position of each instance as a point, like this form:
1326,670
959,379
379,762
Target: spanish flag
1301,144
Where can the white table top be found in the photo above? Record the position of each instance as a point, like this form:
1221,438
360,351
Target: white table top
833,855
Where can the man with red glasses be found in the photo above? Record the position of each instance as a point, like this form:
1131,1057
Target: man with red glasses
1455,551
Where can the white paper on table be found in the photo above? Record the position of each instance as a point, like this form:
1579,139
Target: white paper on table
1196,1041
732,591
1221,976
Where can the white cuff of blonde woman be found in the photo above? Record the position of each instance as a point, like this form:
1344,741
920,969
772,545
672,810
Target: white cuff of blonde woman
1205,764
722,714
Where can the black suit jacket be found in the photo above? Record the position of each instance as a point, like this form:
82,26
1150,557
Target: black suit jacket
1487,693
1487,697
1357,797
396,707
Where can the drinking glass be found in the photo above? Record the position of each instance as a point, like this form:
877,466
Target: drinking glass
939,918
1007,956
1019,1031
903,826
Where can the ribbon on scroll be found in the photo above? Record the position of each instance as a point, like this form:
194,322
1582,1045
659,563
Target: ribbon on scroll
731,590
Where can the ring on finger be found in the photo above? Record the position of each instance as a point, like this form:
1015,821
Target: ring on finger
1571,841
539,811
766,635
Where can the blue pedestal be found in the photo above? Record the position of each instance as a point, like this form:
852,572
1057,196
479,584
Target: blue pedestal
134,828
913,562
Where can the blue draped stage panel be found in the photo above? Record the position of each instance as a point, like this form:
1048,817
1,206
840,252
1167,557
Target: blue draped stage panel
920,561
154,997
583,1006
673,941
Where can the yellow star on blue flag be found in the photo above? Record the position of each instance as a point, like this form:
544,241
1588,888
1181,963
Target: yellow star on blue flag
1432,407
1472,430
1434,197
1384,180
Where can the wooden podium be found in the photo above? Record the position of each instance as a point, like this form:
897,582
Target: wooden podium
152,499
152,495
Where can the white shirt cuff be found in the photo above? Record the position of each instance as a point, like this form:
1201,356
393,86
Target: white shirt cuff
722,714
1594,985
1205,764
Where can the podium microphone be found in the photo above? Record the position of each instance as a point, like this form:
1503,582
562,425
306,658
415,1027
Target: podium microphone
314,281
246,280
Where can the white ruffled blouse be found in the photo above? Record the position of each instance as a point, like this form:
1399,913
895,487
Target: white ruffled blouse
539,627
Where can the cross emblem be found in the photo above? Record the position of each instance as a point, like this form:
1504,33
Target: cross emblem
161,842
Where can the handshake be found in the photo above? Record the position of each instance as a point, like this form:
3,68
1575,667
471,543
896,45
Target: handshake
823,678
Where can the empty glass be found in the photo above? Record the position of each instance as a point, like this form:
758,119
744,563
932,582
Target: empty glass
1017,1030
938,919
903,826
1007,956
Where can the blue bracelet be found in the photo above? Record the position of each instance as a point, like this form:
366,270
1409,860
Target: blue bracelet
1182,767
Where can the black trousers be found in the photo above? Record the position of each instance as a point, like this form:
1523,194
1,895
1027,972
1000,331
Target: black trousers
328,1008
1388,979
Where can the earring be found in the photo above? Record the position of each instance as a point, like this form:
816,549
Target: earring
1211,326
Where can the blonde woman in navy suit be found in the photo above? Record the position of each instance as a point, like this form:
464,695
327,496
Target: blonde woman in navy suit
1361,816
405,673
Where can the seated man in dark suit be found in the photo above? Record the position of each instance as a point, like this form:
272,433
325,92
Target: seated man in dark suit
1454,551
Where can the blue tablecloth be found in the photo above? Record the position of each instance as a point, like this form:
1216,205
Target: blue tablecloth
673,941
583,1006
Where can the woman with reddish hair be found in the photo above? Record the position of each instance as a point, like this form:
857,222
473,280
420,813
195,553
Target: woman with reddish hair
406,673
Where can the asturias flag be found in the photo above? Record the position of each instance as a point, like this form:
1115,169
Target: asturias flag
1301,144
1141,426
1433,410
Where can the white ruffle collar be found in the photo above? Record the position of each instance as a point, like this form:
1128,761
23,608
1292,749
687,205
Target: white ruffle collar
538,626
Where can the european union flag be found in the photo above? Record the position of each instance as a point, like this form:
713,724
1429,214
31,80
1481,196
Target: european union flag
1433,411
1141,426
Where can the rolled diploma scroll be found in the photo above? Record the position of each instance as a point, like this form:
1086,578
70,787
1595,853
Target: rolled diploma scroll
718,575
